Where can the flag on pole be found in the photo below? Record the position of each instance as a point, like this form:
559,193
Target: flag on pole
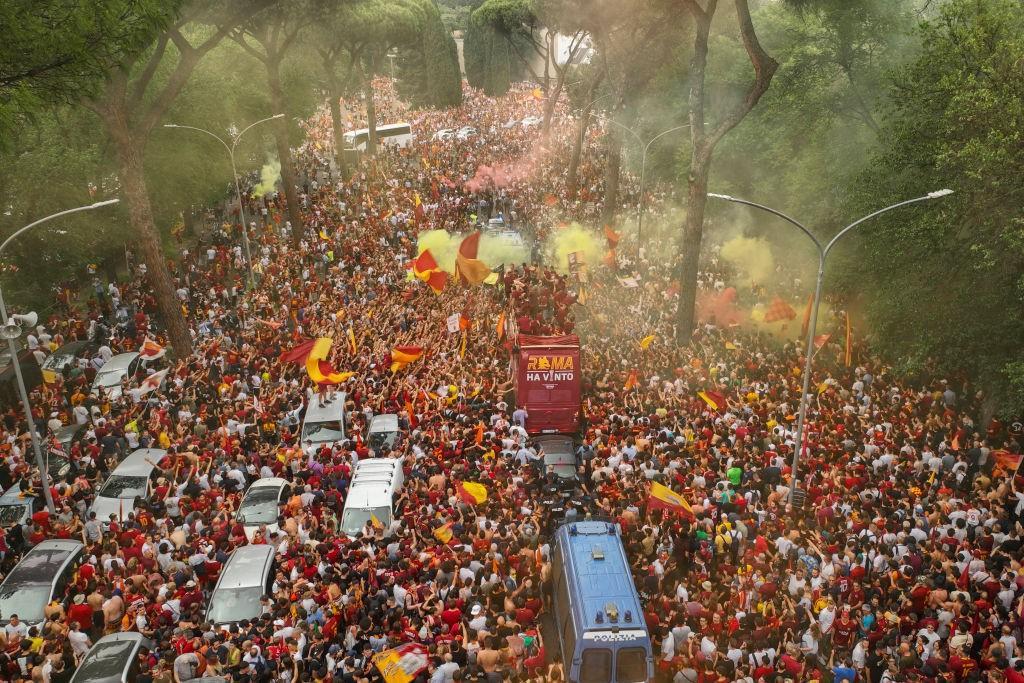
468,268
403,355
298,354
1006,462
153,382
351,340
471,492
821,340
150,350
501,325
437,280
631,381
424,264
462,345
662,497
806,324
317,366
849,342
418,207
715,400
646,341
611,237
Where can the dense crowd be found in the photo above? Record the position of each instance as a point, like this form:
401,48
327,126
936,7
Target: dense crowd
903,563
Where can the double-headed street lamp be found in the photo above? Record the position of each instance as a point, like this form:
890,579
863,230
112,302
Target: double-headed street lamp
646,146
823,252
11,330
234,174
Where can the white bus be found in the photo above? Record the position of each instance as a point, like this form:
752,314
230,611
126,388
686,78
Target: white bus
397,134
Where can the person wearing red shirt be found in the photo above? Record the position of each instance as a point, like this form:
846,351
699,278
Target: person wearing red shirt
80,612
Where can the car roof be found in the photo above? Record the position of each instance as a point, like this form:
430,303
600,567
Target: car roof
32,563
244,564
74,347
119,362
12,496
387,422
135,463
331,411
275,482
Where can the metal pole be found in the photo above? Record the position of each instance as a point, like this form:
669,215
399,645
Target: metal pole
40,463
238,189
44,477
641,203
823,252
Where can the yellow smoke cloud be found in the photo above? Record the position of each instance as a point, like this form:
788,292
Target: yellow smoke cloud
269,175
574,238
495,250
752,257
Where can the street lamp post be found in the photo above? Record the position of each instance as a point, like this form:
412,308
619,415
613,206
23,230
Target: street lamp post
641,204
823,252
234,174
11,331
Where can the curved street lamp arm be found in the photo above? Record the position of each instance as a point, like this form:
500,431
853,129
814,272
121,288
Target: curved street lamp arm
851,226
56,215
664,132
821,250
201,130
254,123
620,125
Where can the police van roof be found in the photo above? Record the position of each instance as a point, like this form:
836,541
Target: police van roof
603,578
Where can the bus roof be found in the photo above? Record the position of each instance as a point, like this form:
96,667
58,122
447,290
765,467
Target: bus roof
380,129
596,564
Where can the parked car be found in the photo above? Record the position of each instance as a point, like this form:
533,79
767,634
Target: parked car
113,659
129,480
114,370
259,505
44,572
245,578
67,355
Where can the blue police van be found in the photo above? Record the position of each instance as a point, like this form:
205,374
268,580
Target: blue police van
597,611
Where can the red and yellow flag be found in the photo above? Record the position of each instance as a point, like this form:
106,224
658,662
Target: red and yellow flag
443,533
317,367
1006,462
611,237
471,492
631,381
352,341
424,265
418,207
663,498
501,325
715,400
468,268
779,310
437,280
403,355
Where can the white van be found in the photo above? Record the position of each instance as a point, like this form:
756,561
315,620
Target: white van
323,425
246,577
394,134
382,433
375,485
259,506
130,479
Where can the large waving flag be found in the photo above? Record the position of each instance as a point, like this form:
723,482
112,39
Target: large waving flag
425,268
471,492
401,664
403,355
1006,462
444,533
663,498
468,268
319,370
715,400
153,382
298,354
150,350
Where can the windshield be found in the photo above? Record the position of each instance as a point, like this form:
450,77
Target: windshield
10,514
25,600
109,378
58,361
319,432
234,604
354,520
259,506
106,661
120,486
381,440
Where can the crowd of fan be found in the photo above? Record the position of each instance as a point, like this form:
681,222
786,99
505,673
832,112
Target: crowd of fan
903,563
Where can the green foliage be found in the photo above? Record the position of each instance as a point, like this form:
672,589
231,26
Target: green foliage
430,62
491,64
57,51
944,281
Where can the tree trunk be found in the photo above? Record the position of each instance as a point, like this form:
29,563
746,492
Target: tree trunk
611,176
284,153
689,247
572,181
147,238
371,113
339,132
